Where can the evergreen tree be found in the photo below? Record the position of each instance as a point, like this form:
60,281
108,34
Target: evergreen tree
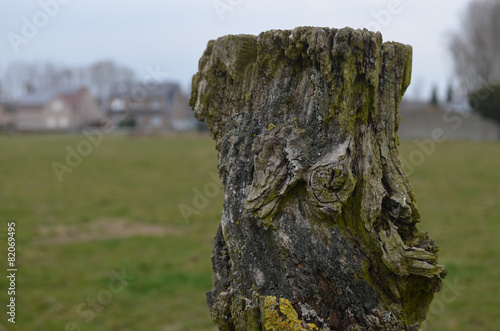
434,98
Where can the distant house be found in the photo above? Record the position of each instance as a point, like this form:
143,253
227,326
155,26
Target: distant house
151,108
63,109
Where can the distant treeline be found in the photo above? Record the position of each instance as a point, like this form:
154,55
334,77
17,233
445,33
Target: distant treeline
20,78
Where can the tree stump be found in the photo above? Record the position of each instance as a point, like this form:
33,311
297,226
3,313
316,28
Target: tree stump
318,229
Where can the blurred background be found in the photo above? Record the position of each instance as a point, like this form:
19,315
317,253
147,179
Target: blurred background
112,182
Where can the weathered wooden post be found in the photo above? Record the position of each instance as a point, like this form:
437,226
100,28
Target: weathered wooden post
318,229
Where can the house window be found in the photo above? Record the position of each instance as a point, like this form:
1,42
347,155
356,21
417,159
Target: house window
118,104
156,121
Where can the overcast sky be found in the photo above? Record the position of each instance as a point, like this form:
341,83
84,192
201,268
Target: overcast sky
170,36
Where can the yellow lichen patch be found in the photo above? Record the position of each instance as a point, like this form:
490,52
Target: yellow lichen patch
311,326
287,310
288,320
270,126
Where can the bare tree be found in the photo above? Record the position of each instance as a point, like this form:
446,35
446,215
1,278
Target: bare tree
17,77
475,49
476,45
21,77
104,74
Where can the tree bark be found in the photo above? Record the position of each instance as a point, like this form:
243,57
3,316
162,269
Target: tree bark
318,229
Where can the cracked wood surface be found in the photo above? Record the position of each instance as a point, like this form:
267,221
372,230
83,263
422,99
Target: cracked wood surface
318,228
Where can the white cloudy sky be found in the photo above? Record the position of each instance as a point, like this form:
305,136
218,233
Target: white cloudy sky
171,35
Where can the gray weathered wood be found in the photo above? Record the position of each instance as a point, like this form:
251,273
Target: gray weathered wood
318,229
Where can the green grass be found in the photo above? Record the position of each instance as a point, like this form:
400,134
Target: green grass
137,181
119,210
458,195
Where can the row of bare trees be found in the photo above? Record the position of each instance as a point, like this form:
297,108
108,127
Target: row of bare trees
20,78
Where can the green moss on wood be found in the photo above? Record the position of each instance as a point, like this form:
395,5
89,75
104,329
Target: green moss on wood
306,126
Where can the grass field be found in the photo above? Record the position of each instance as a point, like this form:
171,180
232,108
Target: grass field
117,213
